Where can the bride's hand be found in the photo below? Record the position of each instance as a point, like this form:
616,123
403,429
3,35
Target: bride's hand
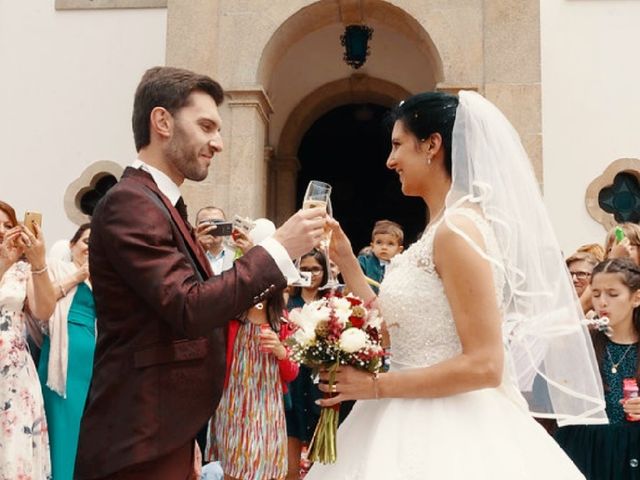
340,244
349,384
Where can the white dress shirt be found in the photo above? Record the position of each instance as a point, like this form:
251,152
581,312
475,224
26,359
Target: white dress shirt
271,245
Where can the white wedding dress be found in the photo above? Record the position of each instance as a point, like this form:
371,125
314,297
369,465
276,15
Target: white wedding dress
483,434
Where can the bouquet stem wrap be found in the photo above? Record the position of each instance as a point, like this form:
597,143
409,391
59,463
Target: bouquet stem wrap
323,443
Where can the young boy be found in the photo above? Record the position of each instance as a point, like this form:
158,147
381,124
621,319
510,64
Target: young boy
387,240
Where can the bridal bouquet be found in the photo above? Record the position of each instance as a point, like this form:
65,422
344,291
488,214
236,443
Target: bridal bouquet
335,330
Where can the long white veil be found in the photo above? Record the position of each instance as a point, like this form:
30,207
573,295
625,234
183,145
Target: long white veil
550,355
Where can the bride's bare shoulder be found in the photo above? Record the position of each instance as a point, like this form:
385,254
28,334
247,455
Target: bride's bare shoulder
458,237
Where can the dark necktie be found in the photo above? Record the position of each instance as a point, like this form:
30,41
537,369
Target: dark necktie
182,210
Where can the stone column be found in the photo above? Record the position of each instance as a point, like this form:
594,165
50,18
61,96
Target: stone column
192,35
512,69
246,118
285,189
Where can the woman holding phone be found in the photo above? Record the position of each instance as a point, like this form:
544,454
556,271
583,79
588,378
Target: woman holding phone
25,291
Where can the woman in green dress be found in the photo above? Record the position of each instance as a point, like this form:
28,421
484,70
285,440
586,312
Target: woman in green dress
66,361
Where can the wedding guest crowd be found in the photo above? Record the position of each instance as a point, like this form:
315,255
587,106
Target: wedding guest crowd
135,322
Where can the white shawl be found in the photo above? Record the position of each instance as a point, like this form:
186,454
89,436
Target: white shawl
58,331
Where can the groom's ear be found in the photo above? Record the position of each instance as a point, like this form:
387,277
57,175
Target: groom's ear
161,123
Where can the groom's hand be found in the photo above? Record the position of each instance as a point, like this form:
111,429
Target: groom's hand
302,232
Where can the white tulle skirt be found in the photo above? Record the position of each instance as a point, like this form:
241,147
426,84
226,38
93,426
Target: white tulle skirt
479,435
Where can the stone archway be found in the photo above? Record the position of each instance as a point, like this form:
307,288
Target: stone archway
270,55
285,164
323,13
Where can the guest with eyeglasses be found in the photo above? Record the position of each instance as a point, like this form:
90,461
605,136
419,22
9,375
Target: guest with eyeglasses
580,265
66,360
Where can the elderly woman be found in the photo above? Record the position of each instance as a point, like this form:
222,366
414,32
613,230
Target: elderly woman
25,290
66,362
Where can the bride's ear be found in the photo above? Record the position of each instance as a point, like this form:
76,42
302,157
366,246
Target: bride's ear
432,144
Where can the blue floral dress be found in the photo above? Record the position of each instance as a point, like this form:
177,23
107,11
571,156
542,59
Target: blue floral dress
24,441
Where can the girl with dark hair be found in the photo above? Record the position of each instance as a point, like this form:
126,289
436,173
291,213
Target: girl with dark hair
476,308
26,293
612,452
66,358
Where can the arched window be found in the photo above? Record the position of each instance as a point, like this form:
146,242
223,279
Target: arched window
90,198
614,196
622,199
84,193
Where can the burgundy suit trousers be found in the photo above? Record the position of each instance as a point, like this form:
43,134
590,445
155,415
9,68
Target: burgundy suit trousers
176,465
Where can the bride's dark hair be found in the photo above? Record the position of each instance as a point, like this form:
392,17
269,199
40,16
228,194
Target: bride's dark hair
427,113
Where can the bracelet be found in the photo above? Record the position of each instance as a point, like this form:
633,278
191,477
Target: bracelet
62,291
374,377
38,272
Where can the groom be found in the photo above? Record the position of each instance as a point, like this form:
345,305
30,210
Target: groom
160,356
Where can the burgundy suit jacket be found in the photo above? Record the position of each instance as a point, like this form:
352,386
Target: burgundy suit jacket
159,362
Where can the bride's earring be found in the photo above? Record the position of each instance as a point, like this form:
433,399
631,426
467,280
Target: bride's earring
428,160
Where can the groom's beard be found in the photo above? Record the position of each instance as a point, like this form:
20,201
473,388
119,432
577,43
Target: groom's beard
184,155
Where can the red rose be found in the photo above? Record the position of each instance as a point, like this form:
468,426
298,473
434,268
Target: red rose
354,301
356,322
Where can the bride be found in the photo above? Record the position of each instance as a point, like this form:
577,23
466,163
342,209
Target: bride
485,327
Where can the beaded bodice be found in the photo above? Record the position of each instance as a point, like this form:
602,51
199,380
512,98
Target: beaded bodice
414,305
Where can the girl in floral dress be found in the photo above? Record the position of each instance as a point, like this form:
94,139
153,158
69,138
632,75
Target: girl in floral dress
25,289
248,430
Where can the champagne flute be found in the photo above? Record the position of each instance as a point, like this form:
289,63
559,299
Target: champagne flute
315,196
318,194
332,281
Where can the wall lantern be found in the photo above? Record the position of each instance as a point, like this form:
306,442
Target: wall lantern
355,41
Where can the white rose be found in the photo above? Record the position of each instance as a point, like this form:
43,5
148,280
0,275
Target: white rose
312,313
343,316
295,316
341,304
322,313
303,336
352,340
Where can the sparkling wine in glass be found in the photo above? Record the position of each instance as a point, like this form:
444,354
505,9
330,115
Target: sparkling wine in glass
318,195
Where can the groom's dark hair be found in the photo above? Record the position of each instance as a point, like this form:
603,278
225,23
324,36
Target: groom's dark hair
427,113
167,87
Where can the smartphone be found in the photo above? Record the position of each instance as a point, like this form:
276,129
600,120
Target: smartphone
30,218
223,229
